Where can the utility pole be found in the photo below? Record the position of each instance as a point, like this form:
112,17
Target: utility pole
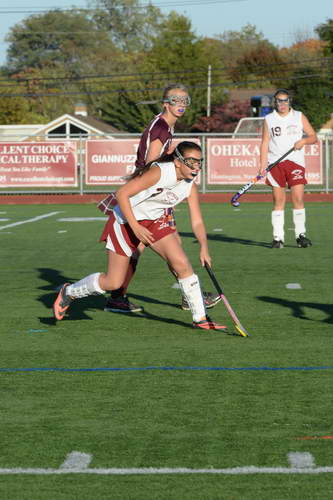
209,88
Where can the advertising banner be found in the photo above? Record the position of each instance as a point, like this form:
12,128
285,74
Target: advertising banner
110,161
38,164
236,161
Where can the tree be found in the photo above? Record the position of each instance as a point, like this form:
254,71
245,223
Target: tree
311,83
15,109
299,52
175,55
308,53
55,39
127,113
311,94
224,118
51,55
235,43
261,62
325,32
130,26
180,55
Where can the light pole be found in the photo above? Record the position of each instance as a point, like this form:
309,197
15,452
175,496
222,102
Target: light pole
209,88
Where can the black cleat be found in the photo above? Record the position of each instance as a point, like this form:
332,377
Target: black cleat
122,305
303,242
277,244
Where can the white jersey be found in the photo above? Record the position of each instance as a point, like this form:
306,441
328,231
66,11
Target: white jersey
166,193
284,131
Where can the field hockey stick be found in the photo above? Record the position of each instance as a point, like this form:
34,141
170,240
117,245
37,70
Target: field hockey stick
234,200
238,325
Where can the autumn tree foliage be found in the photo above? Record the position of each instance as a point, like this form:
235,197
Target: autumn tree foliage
261,62
306,49
118,57
224,118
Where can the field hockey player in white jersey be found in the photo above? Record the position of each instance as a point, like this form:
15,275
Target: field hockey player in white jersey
154,142
284,129
141,216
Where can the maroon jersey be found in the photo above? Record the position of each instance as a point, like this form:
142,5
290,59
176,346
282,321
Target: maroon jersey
157,129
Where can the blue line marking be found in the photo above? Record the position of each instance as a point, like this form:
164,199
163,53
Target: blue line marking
170,368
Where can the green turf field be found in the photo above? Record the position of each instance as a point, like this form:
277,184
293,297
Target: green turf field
181,398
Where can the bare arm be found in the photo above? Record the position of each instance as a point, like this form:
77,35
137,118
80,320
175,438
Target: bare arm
154,150
264,149
311,136
131,188
198,225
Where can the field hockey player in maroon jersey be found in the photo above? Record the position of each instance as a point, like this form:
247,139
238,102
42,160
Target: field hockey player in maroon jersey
154,142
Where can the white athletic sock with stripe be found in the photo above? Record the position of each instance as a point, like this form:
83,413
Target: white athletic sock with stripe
299,221
191,289
85,287
278,224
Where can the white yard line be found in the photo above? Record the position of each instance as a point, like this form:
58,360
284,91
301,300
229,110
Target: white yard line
154,471
77,463
34,219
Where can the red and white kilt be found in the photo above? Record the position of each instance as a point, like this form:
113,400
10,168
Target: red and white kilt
121,239
286,172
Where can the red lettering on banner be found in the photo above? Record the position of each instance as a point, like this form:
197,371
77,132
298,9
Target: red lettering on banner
38,164
236,161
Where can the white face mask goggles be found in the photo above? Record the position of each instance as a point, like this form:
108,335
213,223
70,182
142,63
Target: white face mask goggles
190,162
176,100
282,101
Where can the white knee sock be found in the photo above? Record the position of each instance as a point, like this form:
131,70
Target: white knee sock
87,286
191,289
299,221
278,224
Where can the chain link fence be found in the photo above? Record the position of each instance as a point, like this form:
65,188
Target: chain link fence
206,185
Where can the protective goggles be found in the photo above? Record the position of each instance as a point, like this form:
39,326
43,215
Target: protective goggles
282,101
192,163
174,100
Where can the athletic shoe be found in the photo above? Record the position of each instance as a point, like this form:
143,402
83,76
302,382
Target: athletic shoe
303,242
122,305
209,299
277,244
62,303
208,324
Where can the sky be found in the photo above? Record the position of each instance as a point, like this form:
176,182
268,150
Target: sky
282,22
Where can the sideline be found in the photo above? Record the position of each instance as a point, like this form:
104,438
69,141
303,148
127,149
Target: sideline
169,368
